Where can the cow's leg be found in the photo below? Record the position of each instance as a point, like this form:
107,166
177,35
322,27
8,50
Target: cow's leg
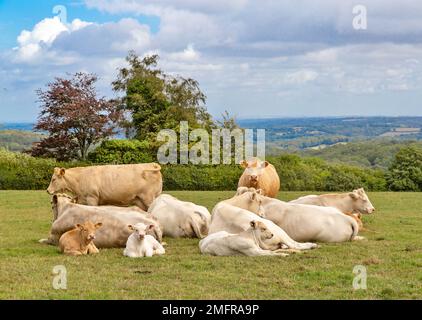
140,203
255,251
53,240
92,249
92,201
358,238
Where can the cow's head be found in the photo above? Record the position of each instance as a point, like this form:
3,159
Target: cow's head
266,239
252,201
261,230
254,169
57,183
88,229
361,201
141,230
55,199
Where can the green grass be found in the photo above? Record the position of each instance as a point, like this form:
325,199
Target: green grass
393,257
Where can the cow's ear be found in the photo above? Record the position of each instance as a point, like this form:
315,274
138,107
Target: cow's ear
79,226
131,228
354,195
265,164
151,226
244,164
260,191
98,225
253,224
62,171
253,196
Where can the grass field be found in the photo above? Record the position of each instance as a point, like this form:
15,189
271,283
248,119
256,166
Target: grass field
392,256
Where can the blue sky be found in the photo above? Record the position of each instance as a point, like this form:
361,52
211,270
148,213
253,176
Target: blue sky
253,58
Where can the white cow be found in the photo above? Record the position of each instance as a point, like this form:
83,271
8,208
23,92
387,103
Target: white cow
251,242
180,218
305,222
234,219
140,244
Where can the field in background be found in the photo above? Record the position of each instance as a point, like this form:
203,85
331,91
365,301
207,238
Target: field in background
392,255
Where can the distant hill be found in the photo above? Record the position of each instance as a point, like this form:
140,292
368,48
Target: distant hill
293,134
377,154
18,140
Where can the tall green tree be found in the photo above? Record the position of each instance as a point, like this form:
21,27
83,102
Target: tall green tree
405,173
154,100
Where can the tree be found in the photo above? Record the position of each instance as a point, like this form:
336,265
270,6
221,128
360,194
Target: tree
156,100
74,117
405,173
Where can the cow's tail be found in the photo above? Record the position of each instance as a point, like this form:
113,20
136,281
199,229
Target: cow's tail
195,227
355,229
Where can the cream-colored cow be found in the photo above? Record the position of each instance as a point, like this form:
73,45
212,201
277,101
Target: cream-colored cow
350,202
260,175
114,232
121,185
251,242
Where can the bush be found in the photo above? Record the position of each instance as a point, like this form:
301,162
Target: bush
405,173
122,152
20,171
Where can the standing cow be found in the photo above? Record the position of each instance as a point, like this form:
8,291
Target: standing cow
260,175
121,185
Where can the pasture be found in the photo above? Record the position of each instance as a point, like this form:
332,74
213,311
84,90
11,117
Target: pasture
392,256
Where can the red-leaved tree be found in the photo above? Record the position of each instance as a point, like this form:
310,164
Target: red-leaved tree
74,117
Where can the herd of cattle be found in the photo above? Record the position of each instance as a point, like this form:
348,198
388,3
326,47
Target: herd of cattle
122,206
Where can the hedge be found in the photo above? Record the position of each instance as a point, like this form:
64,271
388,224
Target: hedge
22,172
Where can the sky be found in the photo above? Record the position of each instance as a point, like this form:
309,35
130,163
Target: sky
268,58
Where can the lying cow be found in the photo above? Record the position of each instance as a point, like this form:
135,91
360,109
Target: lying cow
140,244
114,232
304,222
260,175
233,216
251,242
122,185
79,240
179,218
351,202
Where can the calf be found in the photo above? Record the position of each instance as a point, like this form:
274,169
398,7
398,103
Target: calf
140,244
251,242
79,241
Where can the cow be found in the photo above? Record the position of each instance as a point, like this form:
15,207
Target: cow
121,185
260,175
351,202
251,242
180,218
233,217
140,244
304,222
79,240
114,232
